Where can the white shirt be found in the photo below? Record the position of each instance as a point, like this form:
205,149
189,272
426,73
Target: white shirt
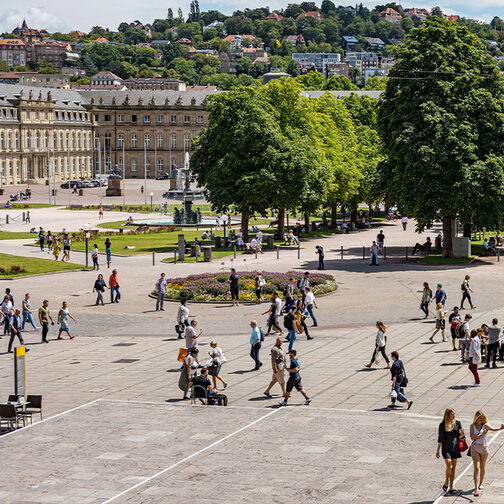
94,253
182,314
475,346
309,298
380,339
7,307
259,236
253,243
404,219
374,249
465,328
278,303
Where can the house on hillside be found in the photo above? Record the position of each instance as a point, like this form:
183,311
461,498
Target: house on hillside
236,40
390,15
295,39
419,13
349,41
375,44
275,16
312,14
139,26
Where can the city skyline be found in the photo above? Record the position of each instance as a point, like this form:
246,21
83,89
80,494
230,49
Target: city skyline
56,15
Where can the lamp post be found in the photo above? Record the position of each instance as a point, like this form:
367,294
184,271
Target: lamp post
86,228
151,196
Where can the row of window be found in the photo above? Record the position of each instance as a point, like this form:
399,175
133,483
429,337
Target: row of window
134,165
147,118
60,115
79,140
7,113
135,144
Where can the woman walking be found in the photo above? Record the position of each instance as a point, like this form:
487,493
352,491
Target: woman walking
272,318
259,284
99,288
466,292
426,299
218,359
94,256
56,249
62,321
399,381
50,241
479,448
188,372
301,320
475,354
108,251
66,248
440,322
449,433
381,341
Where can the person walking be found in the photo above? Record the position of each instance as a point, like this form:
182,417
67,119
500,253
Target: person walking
15,329
380,344
289,324
373,254
44,317
114,287
218,360
100,213
475,354
66,248
183,314
294,380
404,221
304,282
466,338
320,251
380,237
27,313
94,256
300,320
188,371
426,299
56,249
440,295
440,322
161,292
273,317
289,294
455,320
9,293
6,308
479,448
310,304
234,285
255,345
99,288
190,335
259,283
50,241
62,321
494,332
41,238
108,251
28,218
278,364
466,292
399,381
450,432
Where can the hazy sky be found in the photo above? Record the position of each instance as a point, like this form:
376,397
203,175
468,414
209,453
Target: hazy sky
60,15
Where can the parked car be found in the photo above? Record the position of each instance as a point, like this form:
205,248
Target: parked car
87,183
164,176
73,183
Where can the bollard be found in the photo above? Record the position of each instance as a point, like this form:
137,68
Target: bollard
196,256
24,217
175,256
363,252
153,259
278,252
406,253
498,260
384,253
341,251
299,251
7,219
234,251
255,250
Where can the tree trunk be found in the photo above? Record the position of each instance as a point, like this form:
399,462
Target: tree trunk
307,222
467,230
353,216
334,215
447,236
281,223
245,226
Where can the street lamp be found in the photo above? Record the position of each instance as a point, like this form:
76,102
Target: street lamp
86,228
151,196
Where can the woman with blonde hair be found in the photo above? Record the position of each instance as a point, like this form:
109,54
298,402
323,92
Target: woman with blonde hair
450,432
479,447
381,341
466,292
217,360
440,322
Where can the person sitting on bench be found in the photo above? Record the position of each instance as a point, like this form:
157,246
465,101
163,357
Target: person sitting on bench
488,248
202,381
426,247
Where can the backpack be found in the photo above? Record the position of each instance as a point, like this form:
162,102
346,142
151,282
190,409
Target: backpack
286,321
463,287
285,291
217,400
262,334
299,283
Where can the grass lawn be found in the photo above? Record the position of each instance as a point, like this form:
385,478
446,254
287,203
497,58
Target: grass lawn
216,254
21,206
437,258
32,266
15,235
120,223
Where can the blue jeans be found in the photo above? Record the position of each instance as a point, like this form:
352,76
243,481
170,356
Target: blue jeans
310,311
254,353
400,396
371,259
28,316
118,294
109,254
292,338
466,295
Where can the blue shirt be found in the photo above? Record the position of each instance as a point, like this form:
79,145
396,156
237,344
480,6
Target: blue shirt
439,295
255,336
295,364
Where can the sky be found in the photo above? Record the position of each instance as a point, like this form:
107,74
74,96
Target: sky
64,15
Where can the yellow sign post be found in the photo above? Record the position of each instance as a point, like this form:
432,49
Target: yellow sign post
20,372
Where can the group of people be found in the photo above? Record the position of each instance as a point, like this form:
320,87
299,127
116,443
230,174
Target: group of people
55,243
14,319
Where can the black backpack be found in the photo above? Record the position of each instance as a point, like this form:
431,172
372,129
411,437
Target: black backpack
286,321
262,334
299,283
217,400
285,291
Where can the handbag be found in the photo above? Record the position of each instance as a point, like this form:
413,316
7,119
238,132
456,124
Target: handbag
404,383
462,444
182,354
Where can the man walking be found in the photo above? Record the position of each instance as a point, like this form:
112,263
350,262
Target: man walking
15,329
289,294
255,344
114,287
6,312
320,251
381,239
44,317
304,282
27,313
294,380
289,321
161,291
191,336
466,340
440,295
404,221
310,304
494,333
454,320
278,364
373,254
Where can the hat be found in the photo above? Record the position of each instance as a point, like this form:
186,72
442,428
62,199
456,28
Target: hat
440,285
213,343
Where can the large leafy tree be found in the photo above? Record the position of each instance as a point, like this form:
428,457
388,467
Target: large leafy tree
442,127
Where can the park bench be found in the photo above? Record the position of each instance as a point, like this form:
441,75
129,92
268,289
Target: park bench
133,208
108,207
75,207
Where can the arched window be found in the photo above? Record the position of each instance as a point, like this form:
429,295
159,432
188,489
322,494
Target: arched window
173,141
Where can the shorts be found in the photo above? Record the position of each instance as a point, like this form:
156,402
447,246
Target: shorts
66,247
278,377
479,448
440,323
294,382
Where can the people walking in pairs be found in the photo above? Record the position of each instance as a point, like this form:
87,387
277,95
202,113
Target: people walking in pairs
475,354
27,312
466,292
478,431
63,322
278,364
450,432
161,292
426,299
99,287
310,304
255,344
399,381
114,287
380,344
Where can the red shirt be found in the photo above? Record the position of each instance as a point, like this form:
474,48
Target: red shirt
113,280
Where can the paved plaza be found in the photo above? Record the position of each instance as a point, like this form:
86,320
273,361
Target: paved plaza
119,421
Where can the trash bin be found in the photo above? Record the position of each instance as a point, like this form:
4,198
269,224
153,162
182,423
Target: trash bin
195,250
270,242
54,192
81,192
121,230
437,242
207,253
218,242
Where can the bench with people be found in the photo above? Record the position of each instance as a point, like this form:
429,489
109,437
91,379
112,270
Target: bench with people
424,248
291,238
489,246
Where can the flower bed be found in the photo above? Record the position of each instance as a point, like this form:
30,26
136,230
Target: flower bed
214,287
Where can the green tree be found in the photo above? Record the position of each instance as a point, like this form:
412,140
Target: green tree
339,83
443,129
186,70
376,84
312,81
4,67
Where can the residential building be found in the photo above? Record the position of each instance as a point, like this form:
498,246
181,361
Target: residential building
139,26
387,64
373,72
13,52
214,24
57,81
295,39
341,68
349,41
419,13
34,120
155,83
312,14
51,51
9,78
75,71
186,42
452,17
275,16
228,62
105,78
390,15
29,35
254,53
316,60
375,44
236,40
362,60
